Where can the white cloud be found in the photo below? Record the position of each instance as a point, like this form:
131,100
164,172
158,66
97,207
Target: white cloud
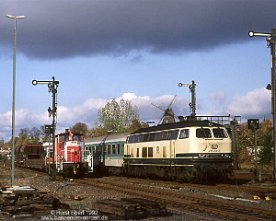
253,103
218,96
128,96
88,112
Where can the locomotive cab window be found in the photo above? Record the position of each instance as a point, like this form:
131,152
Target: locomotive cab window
184,134
203,133
62,138
219,133
77,137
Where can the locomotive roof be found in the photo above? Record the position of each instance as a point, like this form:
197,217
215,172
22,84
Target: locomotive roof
181,124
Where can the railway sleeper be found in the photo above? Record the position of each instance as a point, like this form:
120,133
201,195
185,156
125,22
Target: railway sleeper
131,208
22,201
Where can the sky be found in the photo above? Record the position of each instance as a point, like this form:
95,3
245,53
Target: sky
137,50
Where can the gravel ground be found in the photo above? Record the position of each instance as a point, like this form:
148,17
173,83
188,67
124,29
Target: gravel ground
82,199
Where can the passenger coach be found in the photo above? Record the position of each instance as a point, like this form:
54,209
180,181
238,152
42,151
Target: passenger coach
107,152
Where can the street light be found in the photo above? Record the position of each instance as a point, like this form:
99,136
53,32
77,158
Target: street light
271,40
15,18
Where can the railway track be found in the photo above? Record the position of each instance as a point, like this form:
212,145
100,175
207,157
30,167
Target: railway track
216,208
258,189
178,200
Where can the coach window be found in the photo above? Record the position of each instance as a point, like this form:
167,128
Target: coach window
113,149
118,148
108,149
144,152
137,152
184,134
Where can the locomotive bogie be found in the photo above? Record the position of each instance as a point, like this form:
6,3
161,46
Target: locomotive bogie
74,169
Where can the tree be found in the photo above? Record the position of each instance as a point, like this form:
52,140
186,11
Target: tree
28,136
79,128
35,134
264,135
23,137
118,117
264,140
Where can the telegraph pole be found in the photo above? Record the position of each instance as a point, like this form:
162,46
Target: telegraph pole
271,39
52,85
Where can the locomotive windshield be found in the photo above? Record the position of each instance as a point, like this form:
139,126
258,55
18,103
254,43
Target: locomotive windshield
206,133
77,137
203,133
219,133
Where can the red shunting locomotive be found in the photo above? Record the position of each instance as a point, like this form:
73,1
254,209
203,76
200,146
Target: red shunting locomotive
69,154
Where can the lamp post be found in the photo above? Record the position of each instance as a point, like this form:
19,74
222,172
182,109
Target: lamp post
15,18
271,40
52,85
193,99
